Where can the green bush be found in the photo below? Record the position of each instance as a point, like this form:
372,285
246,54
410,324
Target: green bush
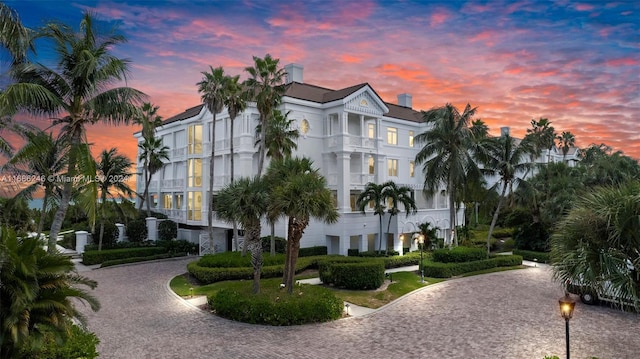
448,270
379,253
353,252
500,233
137,230
281,244
325,265
308,304
357,276
178,246
120,245
237,260
96,257
542,257
79,344
68,241
109,237
115,262
313,251
167,230
532,237
409,259
208,275
459,254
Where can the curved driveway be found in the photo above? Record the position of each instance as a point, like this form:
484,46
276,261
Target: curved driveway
512,314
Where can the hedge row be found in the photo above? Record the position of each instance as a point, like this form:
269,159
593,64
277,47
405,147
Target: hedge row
96,257
310,304
409,259
312,251
448,270
459,254
358,276
237,260
208,275
140,259
542,257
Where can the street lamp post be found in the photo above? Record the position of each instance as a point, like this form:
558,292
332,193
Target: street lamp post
567,304
420,239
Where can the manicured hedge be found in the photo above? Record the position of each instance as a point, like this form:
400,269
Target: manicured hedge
325,264
96,257
237,260
115,262
312,251
500,233
308,304
409,259
459,254
353,252
207,275
357,276
448,270
542,257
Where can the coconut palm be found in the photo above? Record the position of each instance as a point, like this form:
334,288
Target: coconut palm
246,201
213,89
152,154
16,38
37,294
113,171
395,195
598,241
566,140
373,196
148,118
81,87
506,158
447,152
266,89
542,136
5,147
298,193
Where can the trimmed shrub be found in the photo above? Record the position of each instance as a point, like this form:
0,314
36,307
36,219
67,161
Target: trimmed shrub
281,244
357,276
542,257
379,253
137,230
96,257
167,230
109,237
236,260
353,252
500,233
309,304
448,270
325,265
313,251
532,237
114,262
208,275
409,259
459,254
179,246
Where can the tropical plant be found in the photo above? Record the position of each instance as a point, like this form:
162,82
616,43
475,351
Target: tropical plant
5,147
372,196
266,89
37,294
298,193
81,87
16,38
113,171
447,153
148,118
542,136
246,201
566,140
430,234
152,154
598,242
395,195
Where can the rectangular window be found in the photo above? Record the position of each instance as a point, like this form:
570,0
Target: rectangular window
194,204
195,172
411,134
372,166
392,136
372,130
178,202
392,167
167,201
195,139
353,199
412,168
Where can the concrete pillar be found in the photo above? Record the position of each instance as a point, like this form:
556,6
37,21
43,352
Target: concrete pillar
81,241
344,181
152,229
120,227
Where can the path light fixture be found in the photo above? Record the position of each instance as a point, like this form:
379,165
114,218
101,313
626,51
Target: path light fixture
567,304
346,307
419,237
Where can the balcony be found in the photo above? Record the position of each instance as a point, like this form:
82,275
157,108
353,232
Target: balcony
350,141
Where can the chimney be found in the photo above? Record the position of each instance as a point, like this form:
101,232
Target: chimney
404,99
504,131
293,73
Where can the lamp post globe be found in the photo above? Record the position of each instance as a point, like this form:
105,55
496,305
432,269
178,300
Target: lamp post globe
567,305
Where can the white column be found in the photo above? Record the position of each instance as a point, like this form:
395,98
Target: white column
120,227
152,229
344,175
81,241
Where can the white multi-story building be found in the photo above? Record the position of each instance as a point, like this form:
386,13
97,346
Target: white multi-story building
351,134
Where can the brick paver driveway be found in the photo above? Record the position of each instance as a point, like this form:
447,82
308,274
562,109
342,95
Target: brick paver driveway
511,314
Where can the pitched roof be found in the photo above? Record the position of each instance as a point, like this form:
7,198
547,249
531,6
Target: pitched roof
188,113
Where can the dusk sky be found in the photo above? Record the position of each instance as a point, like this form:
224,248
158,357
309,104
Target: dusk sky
575,63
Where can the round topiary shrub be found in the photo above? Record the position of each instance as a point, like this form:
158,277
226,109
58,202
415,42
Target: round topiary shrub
307,304
167,230
137,230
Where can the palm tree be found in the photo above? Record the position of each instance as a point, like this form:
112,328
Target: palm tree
505,157
37,294
246,201
148,118
542,135
373,195
152,154
213,89
16,38
45,157
265,86
113,170
5,147
298,193
394,196
280,139
235,103
566,141
447,152
80,87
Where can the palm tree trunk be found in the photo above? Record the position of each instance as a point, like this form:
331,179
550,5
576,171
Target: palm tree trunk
263,145
256,257
452,215
101,234
211,173
380,234
288,252
297,229
147,194
272,248
146,187
43,212
495,217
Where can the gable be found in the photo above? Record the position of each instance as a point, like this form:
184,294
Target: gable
365,101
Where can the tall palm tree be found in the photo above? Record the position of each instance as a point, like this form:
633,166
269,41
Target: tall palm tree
506,158
113,170
395,195
152,154
373,195
148,118
5,147
246,201
213,89
38,293
266,88
447,152
81,88
235,102
16,38
542,135
44,157
298,193
566,140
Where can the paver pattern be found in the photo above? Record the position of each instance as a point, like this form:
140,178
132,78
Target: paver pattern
512,314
